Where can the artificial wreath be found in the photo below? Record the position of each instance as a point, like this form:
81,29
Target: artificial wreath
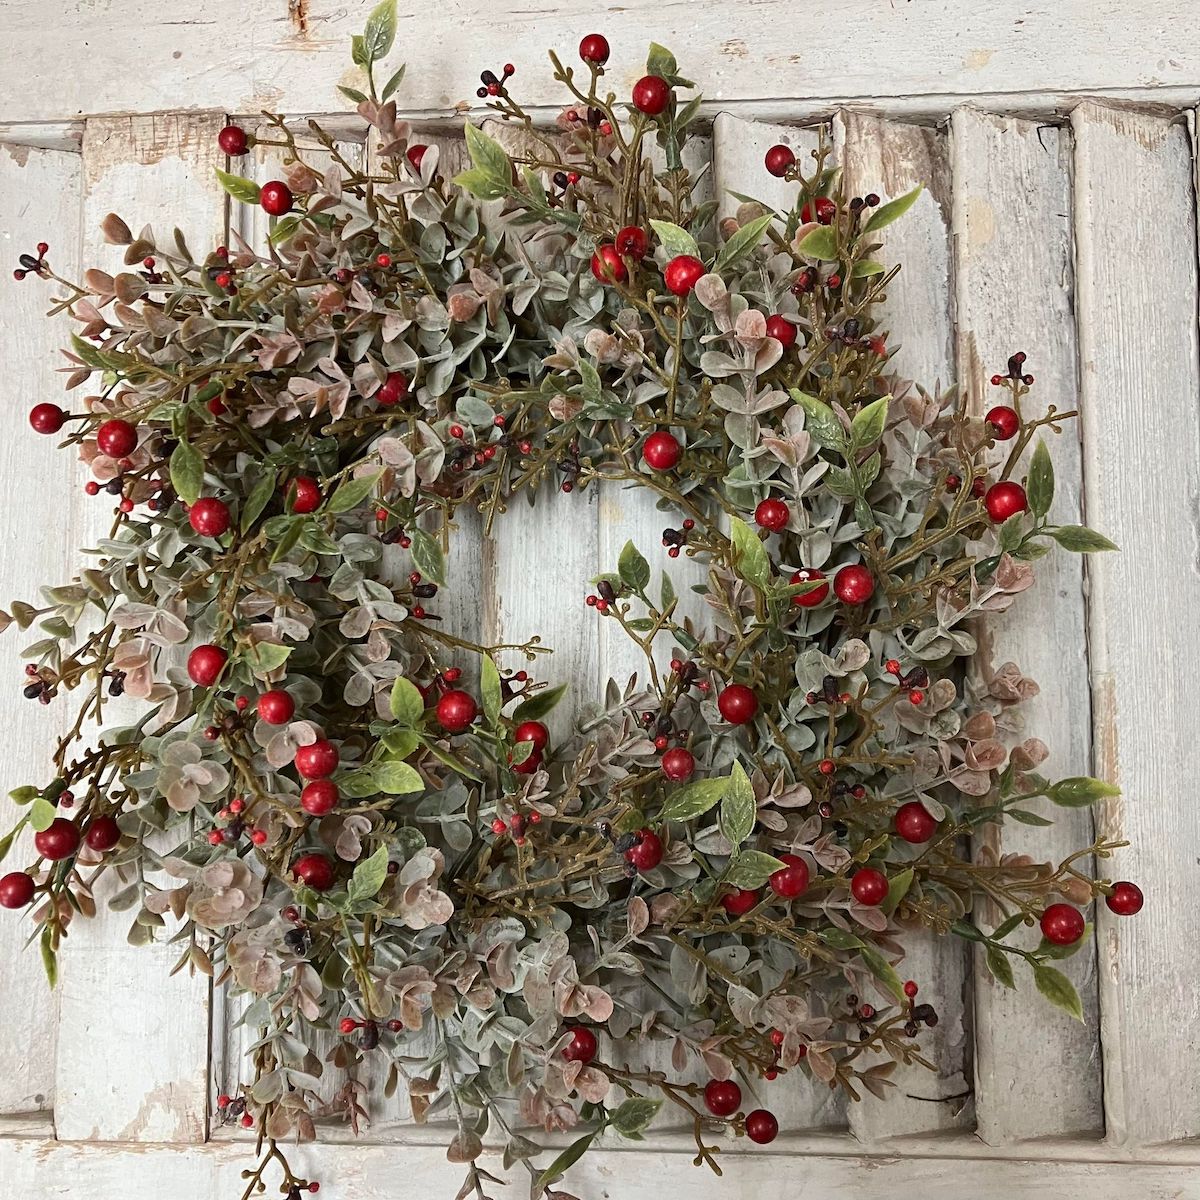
357,818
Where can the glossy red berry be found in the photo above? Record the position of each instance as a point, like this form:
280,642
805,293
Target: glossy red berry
1004,422
661,451
772,514
415,155
533,731
116,438
761,1126
678,764
1062,924
393,389
607,265
651,95
276,198
319,797
782,330
1125,899
594,49
779,160
16,890
276,707
1004,500
46,418
722,1097
914,822
304,495
869,886
821,209
209,517
737,704
740,901
790,881
812,598
681,273
232,139
631,242
347,1025
103,833
582,1047
59,840
317,760
910,988
648,852
315,870
853,584
205,664
456,710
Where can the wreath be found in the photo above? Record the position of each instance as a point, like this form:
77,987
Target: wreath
358,819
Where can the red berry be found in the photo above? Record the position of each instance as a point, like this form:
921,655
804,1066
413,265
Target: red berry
317,760
772,514
853,584
594,49
315,870
16,890
1062,924
737,704
232,139
247,1121
1125,899
209,517
761,1126
740,901
103,833
116,438
678,764
223,1101
216,838
651,95
823,207
1004,422
499,826
582,1047
59,840
778,160
258,837
47,418
456,710
607,265
914,822
790,881
533,731
415,154
319,797
275,198
910,989
455,431
393,389
205,664
681,273
304,494
92,488
631,242
223,281
347,1025
813,598
648,852
276,707
869,886
1004,500
782,330
722,1097
661,451
978,487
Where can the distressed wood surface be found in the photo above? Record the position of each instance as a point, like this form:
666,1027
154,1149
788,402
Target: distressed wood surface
1139,379
1036,1070
289,55
39,201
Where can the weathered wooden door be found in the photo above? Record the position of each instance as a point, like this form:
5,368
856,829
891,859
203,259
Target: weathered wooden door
1057,143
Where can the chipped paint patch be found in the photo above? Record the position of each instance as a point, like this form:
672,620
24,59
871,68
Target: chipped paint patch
19,154
978,59
298,15
735,48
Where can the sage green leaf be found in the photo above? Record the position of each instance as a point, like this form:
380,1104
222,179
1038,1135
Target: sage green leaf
1079,539
353,95
749,554
738,808
882,970
245,190
742,242
351,493
751,869
368,876
265,657
1000,967
393,83
49,957
396,778
885,214
660,61
1039,487
1058,989
6,842
380,31
187,471
633,568
633,1116
539,704
839,939
821,421
406,703
693,799
427,555
489,690
42,814
480,184
488,156
400,743
819,243
868,423
866,267
258,499
898,886
284,228
591,392
568,1158
1081,790
675,241
666,592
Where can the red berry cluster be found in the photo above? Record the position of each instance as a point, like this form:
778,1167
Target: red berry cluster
33,264
491,85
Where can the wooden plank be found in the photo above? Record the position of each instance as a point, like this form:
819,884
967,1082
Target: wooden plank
1037,1071
39,201
1139,380
890,159
118,1005
290,56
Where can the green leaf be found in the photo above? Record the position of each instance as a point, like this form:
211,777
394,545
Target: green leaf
257,501
821,421
1058,989
400,743
1080,539
187,471
751,869
866,267
406,703
558,1168
539,704
840,939
245,190
488,156
693,799
592,391
284,228
1080,790
265,657
1000,967
633,568
353,94
368,876
742,242
24,794
1027,818
357,785
675,241
427,556
396,778
666,590
661,62
898,886
380,31
750,556
480,184
1039,487
885,214
6,842
1053,950
453,762
42,814
358,50
489,689
819,243
633,1115
393,83
351,493
867,426
49,958
882,970
738,808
